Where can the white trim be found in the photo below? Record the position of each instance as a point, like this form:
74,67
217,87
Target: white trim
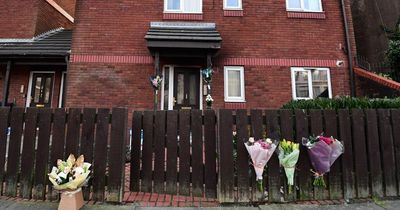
310,86
61,95
227,98
61,10
171,87
181,10
302,7
226,7
28,95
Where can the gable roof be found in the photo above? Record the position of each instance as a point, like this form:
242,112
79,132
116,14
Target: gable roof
53,43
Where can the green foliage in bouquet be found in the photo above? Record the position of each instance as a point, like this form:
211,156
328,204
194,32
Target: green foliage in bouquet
70,174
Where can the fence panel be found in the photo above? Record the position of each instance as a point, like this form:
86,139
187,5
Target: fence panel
172,152
42,154
197,153
306,189
28,153
373,146
147,157
16,124
136,155
159,152
274,175
87,140
226,170
395,113
257,131
347,160
360,154
116,155
388,163
4,117
242,158
184,152
335,175
317,128
100,154
73,131
287,132
210,145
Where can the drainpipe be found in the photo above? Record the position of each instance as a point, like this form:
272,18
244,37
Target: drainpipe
349,52
6,85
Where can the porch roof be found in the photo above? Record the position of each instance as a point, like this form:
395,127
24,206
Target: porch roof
203,37
53,43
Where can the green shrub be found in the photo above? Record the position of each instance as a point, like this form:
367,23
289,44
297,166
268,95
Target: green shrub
344,103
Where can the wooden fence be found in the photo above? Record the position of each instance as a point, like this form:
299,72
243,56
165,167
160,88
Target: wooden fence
38,137
193,152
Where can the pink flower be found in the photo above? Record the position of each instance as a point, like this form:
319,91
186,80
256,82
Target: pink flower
327,140
263,144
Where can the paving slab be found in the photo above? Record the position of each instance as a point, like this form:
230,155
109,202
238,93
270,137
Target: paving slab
358,206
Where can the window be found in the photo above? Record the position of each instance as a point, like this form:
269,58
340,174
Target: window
234,83
183,6
232,4
310,83
304,5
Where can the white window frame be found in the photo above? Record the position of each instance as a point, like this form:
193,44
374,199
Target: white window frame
62,88
302,7
180,10
242,84
226,7
310,87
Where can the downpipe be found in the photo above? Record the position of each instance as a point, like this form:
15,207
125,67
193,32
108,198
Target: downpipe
349,52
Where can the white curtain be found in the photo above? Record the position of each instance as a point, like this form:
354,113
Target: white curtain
234,84
192,6
294,4
312,5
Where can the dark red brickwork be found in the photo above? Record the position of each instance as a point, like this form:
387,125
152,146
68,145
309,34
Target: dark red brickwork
67,5
372,89
18,18
264,32
49,18
27,18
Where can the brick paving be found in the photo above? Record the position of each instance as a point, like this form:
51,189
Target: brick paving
163,200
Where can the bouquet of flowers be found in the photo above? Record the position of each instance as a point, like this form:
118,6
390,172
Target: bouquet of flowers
323,151
288,156
156,82
260,152
71,174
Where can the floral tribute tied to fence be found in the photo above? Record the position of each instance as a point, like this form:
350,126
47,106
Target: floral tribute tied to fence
194,153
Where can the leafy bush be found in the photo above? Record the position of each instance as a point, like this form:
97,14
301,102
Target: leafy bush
393,51
344,103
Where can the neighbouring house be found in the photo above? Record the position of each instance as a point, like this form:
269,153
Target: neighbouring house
35,44
370,17
263,53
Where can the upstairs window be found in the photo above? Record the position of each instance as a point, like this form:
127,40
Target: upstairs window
304,5
311,83
183,6
232,4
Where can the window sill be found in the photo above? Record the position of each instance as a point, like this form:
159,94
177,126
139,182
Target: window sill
306,15
182,16
233,13
235,105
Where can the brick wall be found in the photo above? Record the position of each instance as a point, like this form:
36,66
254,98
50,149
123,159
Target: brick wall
18,18
49,18
27,18
67,5
264,32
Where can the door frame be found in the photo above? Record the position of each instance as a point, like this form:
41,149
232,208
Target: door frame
28,94
171,86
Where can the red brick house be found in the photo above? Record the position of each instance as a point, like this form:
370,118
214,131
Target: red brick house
263,53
